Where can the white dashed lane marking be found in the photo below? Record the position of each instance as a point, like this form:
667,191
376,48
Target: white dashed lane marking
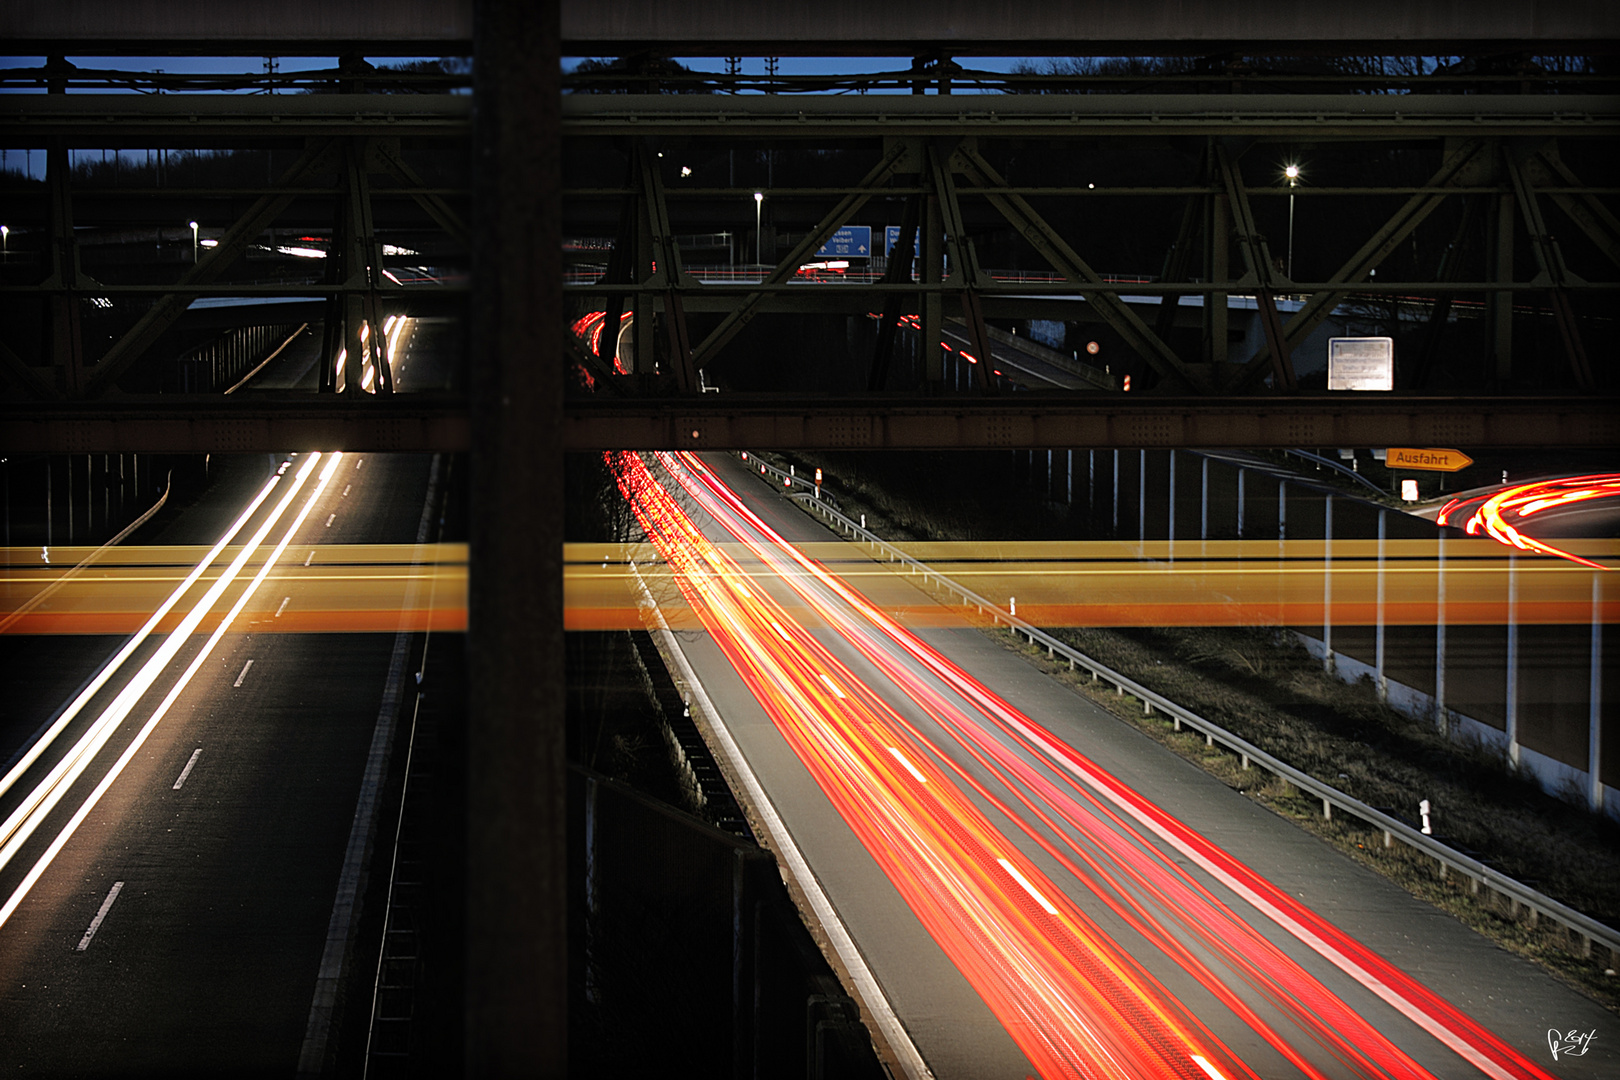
95,923
185,772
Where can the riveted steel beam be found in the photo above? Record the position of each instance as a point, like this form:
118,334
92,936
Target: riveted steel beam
416,422
1040,421
1316,117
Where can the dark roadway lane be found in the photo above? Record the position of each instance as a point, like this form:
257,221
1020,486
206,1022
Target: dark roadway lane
205,963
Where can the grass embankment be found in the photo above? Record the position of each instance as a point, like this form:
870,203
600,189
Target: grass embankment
1260,684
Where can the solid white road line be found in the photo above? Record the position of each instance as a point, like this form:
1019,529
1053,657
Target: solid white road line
242,676
95,923
185,772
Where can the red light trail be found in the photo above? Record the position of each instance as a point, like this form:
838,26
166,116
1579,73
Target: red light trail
1076,1000
1523,502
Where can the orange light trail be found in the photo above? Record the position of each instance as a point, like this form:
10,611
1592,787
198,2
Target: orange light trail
1086,809
1523,502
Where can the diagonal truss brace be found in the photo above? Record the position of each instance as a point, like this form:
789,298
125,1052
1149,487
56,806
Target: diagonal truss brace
1553,273
1257,257
1546,168
385,152
667,270
964,264
1453,171
834,220
1115,312
232,244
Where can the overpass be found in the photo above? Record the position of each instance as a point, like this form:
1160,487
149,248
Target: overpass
1484,177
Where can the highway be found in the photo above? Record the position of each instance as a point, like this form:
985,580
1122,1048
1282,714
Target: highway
1030,886
179,846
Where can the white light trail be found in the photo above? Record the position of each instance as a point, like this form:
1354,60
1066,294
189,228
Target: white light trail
140,635
31,812
174,693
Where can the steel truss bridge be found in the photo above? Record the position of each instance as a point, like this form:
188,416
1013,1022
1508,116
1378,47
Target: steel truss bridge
1497,211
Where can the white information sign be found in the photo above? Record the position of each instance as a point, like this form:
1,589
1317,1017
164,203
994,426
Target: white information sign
1361,363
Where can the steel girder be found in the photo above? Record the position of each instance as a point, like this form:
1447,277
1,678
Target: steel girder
173,424
1471,128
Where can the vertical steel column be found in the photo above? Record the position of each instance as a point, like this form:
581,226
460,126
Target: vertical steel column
1282,513
1068,477
1217,229
1511,705
933,254
1327,584
1501,303
516,945
65,336
1594,697
1378,647
1442,718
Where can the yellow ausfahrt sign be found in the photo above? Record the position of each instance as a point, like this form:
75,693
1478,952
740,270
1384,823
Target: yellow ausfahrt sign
1433,460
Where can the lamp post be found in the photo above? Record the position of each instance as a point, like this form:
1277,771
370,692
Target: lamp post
1292,172
759,201
194,242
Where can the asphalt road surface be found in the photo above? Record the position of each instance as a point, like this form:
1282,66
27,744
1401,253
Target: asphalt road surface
1133,848
166,909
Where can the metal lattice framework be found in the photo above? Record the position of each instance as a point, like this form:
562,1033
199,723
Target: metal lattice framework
1519,248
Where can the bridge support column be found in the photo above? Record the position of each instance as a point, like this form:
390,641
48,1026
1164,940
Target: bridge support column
516,1016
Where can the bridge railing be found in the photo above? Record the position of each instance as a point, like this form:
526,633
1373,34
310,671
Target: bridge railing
1586,930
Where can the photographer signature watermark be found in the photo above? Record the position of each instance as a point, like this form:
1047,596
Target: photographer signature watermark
1572,1043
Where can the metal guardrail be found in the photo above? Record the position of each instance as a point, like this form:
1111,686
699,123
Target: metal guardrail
1587,929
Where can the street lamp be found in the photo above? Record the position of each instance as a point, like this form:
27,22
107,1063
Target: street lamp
1292,172
759,201
194,242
